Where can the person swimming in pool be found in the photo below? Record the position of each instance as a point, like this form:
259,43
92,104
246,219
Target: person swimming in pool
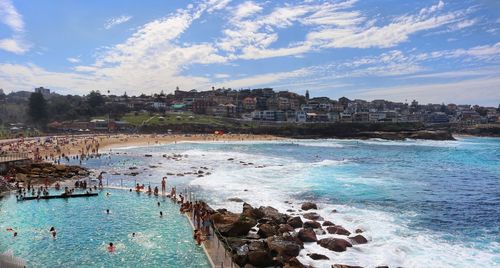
111,247
161,214
53,232
107,211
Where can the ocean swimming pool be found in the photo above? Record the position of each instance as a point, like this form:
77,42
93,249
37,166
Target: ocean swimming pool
84,229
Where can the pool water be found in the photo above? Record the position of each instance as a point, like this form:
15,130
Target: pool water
84,230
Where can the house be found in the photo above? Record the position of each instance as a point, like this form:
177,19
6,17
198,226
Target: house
300,117
249,103
361,117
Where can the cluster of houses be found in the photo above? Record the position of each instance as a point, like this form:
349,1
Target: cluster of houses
265,104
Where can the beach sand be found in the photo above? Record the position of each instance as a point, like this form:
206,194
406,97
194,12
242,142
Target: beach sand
52,147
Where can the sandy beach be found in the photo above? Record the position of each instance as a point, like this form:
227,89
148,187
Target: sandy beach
52,147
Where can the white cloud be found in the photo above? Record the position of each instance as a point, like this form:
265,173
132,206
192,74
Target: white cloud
73,59
16,46
268,79
10,17
246,9
110,23
221,76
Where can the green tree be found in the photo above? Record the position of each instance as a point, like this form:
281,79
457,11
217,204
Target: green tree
95,99
37,109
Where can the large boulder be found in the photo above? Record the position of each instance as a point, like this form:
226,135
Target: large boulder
232,224
284,247
312,224
294,263
358,239
260,258
295,222
313,216
251,212
271,214
337,229
328,223
307,235
308,206
240,255
334,244
267,230
285,228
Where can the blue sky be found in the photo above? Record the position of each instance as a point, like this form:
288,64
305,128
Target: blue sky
432,51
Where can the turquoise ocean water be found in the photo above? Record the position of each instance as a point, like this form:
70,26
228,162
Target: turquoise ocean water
421,203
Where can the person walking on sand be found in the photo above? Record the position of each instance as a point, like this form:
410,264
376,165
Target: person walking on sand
164,185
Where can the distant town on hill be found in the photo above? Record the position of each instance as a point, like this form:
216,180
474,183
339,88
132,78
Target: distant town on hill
43,108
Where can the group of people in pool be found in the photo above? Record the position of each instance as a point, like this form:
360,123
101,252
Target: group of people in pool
52,231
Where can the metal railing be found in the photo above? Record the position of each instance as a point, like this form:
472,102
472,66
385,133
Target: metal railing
6,157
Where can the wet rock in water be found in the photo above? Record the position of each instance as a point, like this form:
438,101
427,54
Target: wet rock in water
312,216
257,245
294,263
170,174
345,266
272,214
308,206
199,176
307,235
132,168
230,159
235,199
253,236
148,155
334,244
328,223
201,171
358,239
284,247
337,229
312,224
316,256
358,231
251,212
334,211
285,228
290,210
295,222
267,230
320,231
260,258
180,175
232,224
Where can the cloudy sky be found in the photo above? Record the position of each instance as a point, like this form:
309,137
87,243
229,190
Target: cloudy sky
433,51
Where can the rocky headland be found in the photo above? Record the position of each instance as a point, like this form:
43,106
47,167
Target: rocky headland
265,237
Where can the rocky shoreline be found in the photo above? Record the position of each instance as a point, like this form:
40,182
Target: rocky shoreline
42,172
264,237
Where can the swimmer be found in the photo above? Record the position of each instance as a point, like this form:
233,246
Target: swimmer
15,234
158,203
133,234
161,214
111,247
107,211
108,194
53,232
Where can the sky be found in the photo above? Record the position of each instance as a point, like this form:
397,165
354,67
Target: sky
431,51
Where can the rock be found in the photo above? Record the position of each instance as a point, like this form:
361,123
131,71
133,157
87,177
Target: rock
312,216
232,224
253,236
334,211
358,239
358,231
285,228
132,168
230,159
308,206
251,212
294,263
284,247
240,255
235,199
295,222
345,266
272,214
334,244
260,258
59,167
319,231
267,230
249,266
312,224
337,229
328,223
148,155
307,235
257,245
316,256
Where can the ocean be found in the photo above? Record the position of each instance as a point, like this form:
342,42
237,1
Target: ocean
420,203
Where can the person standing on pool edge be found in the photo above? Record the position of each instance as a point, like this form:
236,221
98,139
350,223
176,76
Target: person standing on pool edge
164,185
